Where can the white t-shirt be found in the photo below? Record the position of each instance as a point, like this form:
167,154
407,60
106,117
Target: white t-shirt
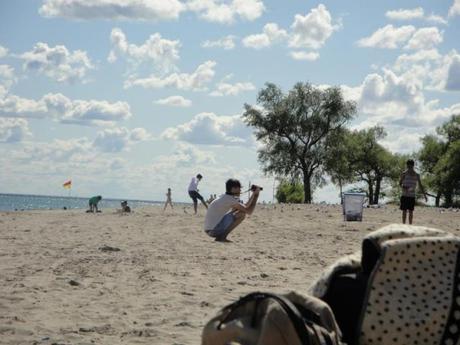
193,184
217,210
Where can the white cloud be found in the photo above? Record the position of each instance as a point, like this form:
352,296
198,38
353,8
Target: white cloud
398,103
186,155
436,19
454,10
195,81
226,43
139,134
225,12
3,51
407,60
153,10
389,95
425,38
453,74
429,70
228,89
14,106
57,62
406,14
175,101
388,37
307,56
163,53
81,112
119,139
271,34
210,129
414,13
312,30
7,79
13,130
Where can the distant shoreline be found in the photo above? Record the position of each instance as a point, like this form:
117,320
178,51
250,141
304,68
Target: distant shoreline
35,202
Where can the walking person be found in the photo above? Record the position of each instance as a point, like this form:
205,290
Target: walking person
408,182
168,200
194,194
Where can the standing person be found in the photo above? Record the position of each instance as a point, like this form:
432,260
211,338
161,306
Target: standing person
408,182
193,192
226,212
168,200
93,203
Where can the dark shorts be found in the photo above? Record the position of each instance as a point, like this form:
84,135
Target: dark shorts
195,196
221,229
407,203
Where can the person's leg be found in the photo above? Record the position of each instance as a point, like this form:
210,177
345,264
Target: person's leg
194,196
404,215
199,196
239,217
411,213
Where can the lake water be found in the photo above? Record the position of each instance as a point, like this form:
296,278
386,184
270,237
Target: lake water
12,202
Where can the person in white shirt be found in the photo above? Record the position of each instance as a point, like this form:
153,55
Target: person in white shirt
193,192
226,212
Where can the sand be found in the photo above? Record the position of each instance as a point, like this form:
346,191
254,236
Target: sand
63,281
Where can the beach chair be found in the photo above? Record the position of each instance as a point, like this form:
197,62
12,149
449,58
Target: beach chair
353,206
403,288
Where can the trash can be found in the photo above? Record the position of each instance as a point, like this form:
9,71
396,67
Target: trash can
353,206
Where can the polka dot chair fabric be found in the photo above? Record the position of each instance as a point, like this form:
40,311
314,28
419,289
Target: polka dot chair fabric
412,294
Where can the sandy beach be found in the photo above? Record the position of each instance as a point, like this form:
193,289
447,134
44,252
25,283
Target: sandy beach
150,277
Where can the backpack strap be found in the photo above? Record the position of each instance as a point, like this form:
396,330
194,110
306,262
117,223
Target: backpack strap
290,309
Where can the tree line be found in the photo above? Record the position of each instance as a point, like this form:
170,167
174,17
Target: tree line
305,139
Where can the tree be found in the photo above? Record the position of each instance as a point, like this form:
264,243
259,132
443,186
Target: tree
429,155
290,192
293,129
337,164
440,158
364,159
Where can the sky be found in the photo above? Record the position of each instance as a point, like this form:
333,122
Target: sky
128,98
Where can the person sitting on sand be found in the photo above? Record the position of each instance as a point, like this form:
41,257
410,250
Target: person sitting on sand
168,200
193,192
408,181
125,207
226,212
93,203
211,199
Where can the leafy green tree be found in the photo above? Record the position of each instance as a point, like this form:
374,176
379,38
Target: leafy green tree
367,161
290,192
337,164
293,129
440,158
429,155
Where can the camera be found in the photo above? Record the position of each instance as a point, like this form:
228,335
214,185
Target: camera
253,188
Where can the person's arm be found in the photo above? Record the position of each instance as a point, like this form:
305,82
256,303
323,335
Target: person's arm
421,187
401,179
249,207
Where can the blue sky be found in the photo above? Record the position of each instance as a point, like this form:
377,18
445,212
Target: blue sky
128,98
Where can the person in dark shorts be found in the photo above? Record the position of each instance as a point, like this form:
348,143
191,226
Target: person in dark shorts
193,192
408,182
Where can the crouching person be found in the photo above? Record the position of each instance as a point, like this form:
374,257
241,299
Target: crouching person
226,212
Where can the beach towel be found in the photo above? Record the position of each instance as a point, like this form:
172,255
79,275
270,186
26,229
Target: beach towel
405,289
269,319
